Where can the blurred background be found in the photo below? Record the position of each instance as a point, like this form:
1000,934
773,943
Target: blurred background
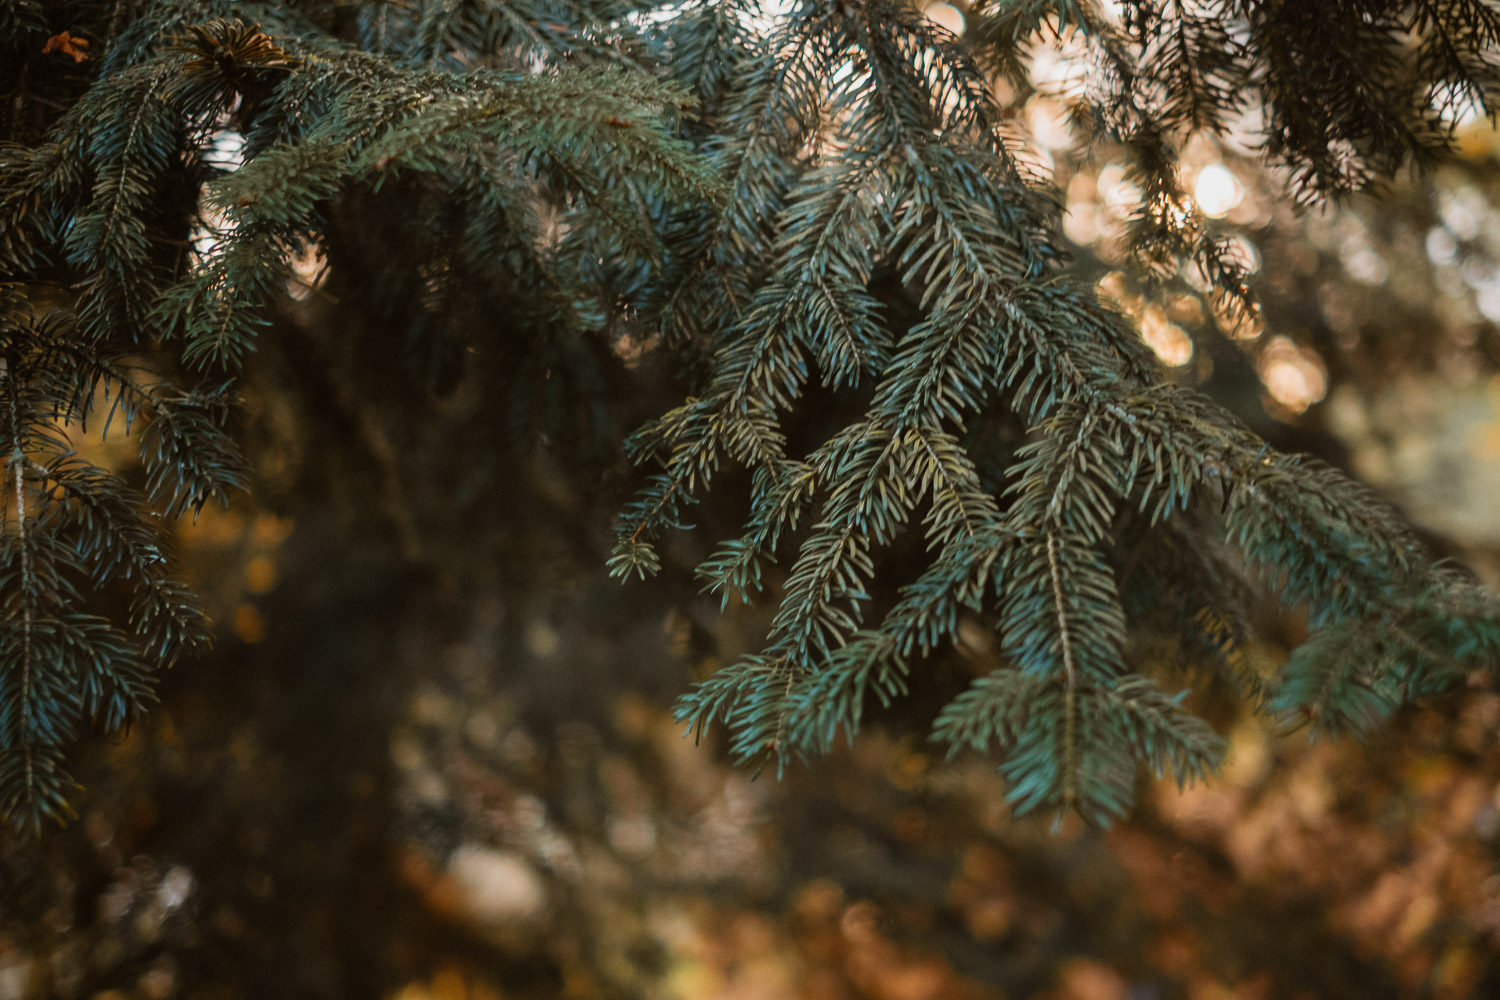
432,754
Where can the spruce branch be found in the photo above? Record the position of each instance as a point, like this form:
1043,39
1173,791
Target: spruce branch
1109,441
826,227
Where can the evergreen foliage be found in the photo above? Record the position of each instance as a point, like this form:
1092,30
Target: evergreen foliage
823,201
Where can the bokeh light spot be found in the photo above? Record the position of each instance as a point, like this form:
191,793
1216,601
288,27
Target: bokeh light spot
260,575
1292,375
946,15
1170,342
1218,191
249,626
